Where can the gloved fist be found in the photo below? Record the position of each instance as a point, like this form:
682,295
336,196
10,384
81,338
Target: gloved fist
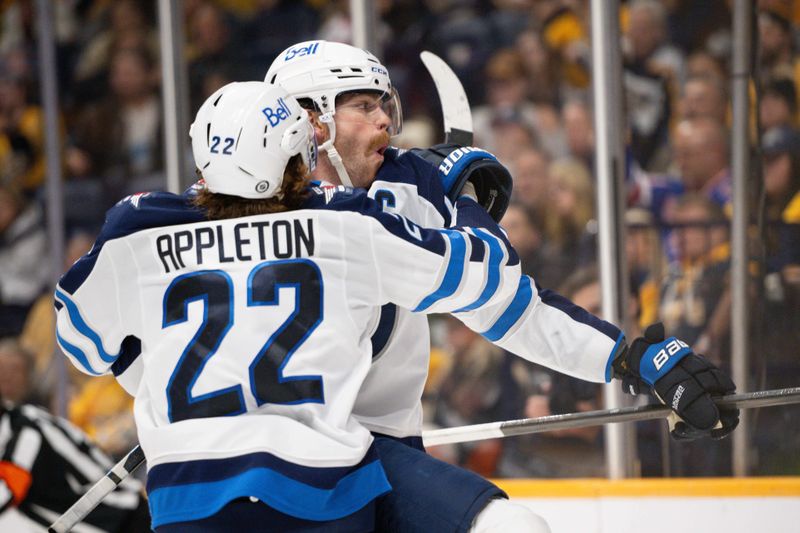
680,379
458,165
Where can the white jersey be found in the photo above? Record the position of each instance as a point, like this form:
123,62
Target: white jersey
390,398
540,325
246,341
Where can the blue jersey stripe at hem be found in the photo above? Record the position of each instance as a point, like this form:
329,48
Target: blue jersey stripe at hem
183,503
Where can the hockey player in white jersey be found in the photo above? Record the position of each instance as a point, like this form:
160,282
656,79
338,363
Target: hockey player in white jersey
241,319
355,110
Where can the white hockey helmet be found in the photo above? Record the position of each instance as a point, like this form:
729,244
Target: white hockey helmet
244,135
322,70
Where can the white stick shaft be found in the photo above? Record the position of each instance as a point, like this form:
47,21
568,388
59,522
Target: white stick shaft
86,503
526,426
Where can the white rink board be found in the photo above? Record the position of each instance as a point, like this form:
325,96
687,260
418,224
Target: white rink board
676,505
669,515
696,505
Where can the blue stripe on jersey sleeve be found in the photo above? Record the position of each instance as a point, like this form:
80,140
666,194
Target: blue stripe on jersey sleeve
493,276
513,312
83,328
77,353
453,273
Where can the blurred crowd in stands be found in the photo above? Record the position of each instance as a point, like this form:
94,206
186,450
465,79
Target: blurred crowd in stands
526,68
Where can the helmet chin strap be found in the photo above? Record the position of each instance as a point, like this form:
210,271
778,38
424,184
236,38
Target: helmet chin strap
333,154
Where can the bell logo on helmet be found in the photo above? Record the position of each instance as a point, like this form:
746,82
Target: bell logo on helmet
311,49
279,113
262,186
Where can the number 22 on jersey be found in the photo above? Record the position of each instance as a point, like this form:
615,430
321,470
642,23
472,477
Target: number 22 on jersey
267,382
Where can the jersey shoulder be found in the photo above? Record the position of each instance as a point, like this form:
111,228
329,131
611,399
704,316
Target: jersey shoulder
340,198
357,201
149,210
134,213
403,166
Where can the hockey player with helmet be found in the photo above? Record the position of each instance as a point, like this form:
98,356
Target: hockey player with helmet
240,318
538,324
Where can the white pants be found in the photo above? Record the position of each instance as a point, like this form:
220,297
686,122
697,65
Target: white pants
503,515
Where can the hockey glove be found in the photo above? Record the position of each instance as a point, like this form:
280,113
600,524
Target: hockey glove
458,164
680,379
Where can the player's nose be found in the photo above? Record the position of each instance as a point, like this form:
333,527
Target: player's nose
382,119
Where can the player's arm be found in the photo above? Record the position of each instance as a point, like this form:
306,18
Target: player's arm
96,321
91,324
468,169
438,270
547,328
476,276
552,331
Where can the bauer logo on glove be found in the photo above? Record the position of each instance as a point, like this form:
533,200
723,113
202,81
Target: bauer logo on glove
681,379
457,165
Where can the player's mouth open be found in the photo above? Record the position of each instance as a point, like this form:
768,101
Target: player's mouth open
382,149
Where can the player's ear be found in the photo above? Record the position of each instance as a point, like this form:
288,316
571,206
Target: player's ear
321,131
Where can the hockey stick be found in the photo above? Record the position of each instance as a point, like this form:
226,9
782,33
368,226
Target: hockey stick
526,426
86,503
455,107
492,430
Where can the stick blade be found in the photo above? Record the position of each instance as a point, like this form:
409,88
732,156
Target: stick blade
455,105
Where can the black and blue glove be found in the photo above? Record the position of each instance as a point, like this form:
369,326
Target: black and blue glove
458,165
680,379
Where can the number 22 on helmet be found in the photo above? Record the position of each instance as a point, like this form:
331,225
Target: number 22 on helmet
244,136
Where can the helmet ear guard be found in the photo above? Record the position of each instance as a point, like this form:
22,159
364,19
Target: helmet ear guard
295,141
244,135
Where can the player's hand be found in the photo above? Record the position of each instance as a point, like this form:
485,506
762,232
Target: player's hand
680,379
458,165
